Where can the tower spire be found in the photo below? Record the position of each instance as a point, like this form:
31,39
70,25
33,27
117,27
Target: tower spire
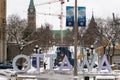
92,19
32,16
31,5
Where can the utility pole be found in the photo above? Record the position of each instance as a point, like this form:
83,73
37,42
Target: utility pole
3,55
75,42
61,22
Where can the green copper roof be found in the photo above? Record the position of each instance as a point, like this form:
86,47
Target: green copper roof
58,32
31,4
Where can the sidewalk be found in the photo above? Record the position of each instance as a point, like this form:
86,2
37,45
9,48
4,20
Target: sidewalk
47,76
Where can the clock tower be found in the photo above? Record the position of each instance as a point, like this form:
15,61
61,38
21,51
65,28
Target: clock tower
32,16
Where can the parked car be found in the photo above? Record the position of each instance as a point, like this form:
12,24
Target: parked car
6,66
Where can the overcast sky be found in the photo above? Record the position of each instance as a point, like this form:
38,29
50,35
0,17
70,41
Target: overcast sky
100,8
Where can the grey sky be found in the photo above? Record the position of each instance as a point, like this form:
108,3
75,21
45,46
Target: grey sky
101,8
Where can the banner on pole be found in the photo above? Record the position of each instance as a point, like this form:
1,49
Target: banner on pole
69,16
81,16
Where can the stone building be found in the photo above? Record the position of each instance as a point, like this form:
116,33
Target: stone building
32,16
2,30
91,33
31,20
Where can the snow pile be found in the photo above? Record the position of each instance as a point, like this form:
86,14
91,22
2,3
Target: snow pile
32,70
105,77
3,77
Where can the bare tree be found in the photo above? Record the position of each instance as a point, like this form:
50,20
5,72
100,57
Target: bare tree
109,30
109,33
15,28
68,38
16,31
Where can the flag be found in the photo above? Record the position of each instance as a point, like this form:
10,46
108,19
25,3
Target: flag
81,16
69,16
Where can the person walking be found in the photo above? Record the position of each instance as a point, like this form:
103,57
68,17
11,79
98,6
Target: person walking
44,65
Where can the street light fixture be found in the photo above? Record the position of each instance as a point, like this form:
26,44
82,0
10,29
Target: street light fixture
36,49
92,47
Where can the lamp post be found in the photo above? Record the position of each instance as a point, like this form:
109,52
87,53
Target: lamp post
111,53
21,47
104,48
21,52
88,53
36,49
40,50
75,42
92,49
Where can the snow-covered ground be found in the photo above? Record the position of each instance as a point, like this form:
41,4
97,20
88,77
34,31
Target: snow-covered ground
3,78
6,74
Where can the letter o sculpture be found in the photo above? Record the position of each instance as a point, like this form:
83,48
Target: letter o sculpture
18,57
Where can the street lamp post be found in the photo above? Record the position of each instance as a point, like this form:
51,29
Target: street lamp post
112,53
92,49
21,52
36,49
21,47
75,42
40,50
88,54
104,48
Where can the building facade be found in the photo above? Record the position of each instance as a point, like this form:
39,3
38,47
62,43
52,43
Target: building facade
91,33
2,30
